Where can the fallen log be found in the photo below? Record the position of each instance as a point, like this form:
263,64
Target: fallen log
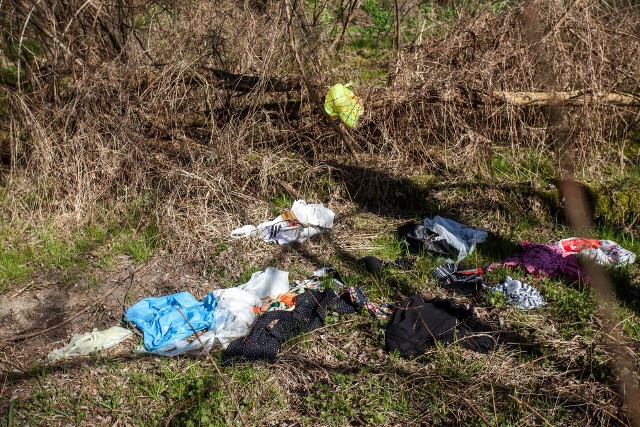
575,97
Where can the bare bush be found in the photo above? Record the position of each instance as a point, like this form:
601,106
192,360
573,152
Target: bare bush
201,105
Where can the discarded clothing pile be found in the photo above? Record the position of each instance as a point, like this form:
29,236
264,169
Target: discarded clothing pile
604,252
226,313
252,321
229,314
91,342
418,324
545,261
236,309
562,259
443,236
522,295
287,301
275,327
295,225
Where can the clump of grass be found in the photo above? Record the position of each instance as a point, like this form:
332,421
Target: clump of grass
572,306
71,254
13,264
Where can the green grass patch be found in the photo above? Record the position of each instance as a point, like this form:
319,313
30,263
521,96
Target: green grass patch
180,392
347,398
281,203
138,244
521,164
573,306
71,254
13,264
9,76
388,247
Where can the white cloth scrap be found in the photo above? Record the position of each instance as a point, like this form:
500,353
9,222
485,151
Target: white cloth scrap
91,342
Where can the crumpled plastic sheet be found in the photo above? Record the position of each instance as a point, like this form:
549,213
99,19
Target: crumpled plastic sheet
298,224
91,342
340,101
161,322
268,283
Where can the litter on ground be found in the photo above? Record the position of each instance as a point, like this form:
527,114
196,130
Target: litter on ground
82,344
522,295
418,324
604,252
442,236
341,102
252,321
295,225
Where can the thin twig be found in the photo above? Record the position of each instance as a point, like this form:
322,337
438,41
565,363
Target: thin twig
215,365
47,33
24,336
20,291
476,411
353,6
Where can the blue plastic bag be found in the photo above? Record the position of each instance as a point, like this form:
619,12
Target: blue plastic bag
161,323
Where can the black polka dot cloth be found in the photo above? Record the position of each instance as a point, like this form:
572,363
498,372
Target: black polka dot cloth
274,328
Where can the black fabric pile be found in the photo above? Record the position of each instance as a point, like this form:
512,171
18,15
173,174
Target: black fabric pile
274,328
451,277
420,239
418,324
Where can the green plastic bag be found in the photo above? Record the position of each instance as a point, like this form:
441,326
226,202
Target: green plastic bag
342,102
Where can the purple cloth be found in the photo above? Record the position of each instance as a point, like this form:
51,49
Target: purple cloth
545,261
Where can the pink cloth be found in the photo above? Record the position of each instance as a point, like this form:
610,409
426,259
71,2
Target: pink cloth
545,261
